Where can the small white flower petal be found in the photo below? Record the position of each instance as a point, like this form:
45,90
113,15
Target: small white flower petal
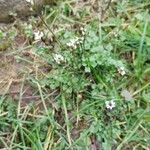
113,104
81,28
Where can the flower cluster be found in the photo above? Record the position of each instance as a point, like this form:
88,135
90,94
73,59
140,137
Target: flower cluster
58,58
121,71
73,43
38,35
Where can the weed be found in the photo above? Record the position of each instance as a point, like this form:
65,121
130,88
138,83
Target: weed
90,76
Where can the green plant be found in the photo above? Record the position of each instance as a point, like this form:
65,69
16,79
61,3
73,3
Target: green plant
89,80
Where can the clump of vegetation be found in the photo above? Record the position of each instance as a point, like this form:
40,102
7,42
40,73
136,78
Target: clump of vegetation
84,80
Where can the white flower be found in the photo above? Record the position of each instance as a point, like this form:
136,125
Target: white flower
58,58
121,71
83,30
30,1
74,42
38,35
70,44
110,104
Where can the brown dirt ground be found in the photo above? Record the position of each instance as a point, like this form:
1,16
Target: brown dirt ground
13,74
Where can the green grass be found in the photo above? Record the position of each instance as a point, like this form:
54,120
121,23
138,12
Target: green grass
80,63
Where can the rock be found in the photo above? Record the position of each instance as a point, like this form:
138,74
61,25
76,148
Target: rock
9,9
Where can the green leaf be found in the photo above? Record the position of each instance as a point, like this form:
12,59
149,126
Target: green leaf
146,97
